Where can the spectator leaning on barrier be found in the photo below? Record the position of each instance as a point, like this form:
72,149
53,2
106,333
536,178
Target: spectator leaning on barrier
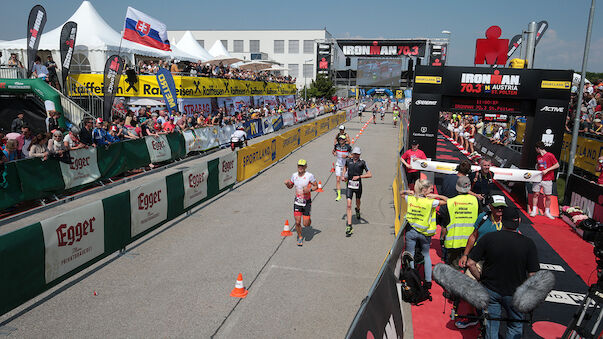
72,140
509,259
547,164
12,150
86,133
99,134
39,146
57,149
24,140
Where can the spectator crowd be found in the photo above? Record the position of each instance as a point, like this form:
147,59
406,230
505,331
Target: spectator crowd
590,112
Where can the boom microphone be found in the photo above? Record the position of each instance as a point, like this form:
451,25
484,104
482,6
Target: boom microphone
461,286
533,291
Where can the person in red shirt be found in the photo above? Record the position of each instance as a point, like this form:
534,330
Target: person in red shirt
168,126
547,164
414,152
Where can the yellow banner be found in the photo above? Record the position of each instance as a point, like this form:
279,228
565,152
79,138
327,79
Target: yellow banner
186,87
425,79
556,84
588,152
254,158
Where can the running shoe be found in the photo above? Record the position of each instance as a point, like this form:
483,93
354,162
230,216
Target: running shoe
357,214
349,230
465,324
300,241
338,198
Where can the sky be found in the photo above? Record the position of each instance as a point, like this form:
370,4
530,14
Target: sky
560,48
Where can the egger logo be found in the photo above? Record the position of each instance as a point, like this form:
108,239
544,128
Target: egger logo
158,145
195,180
67,235
79,163
146,201
227,166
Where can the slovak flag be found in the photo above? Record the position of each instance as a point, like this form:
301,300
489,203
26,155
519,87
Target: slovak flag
145,30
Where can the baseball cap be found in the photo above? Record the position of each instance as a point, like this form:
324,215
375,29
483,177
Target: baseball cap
511,218
356,150
342,127
302,162
498,201
342,137
463,184
99,120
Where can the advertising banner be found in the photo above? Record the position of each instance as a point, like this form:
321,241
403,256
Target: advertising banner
588,151
382,48
211,137
289,101
224,134
190,141
66,46
277,122
288,142
186,87
323,125
82,170
501,155
308,132
300,115
73,238
270,100
195,184
254,158
110,80
227,103
288,118
168,89
267,125
148,204
35,27
228,170
312,112
585,194
503,174
190,106
158,147
253,128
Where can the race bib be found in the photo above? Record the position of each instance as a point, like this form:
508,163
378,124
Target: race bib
354,184
299,201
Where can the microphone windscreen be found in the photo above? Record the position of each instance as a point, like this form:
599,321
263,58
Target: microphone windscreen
461,286
533,291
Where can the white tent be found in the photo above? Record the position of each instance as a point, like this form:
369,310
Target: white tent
95,40
189,45
221,55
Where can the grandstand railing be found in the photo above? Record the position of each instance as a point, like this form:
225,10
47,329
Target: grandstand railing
12,73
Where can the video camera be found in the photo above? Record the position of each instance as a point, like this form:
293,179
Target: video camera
593,232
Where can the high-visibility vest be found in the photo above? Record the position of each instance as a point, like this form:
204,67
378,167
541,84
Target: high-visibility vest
420,214
463,210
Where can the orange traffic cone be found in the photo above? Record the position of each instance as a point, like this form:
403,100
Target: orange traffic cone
333,168
319,187
239,291
286,230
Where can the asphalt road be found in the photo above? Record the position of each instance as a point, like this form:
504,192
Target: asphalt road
175,282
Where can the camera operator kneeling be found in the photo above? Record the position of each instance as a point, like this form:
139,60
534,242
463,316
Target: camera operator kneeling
509,259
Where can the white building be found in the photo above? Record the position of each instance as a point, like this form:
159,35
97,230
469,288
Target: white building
295,50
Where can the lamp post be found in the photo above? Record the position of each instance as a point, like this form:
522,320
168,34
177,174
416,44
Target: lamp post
306,81
449,35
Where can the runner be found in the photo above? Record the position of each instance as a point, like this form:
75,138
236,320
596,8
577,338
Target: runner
470,131
375,114
342,133
304,183
455,125
396,113
342,152
382,112
360,110
353,174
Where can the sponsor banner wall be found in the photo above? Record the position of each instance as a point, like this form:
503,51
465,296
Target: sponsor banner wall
289,101
190,141
224,134
588,151
83,170
323,125
190,106
73,238
277,122
227,167
186,87
288,118
309,131
300,115
195,184
255,158
312,112
288,142
253,128
270,100
159,148
267,125
148,205
585,194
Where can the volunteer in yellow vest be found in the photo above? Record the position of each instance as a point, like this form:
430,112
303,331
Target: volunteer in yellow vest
420,215
463,210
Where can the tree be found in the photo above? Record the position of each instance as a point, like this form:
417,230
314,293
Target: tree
322,87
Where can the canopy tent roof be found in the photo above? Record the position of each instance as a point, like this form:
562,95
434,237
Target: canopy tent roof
189,44
255,65
221,55
94,34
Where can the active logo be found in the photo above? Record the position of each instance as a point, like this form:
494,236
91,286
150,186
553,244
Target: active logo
552,109
426,102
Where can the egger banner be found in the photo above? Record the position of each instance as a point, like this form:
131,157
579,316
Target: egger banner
195,184
83,168
159,148
148,204
227,166
186,87
73,238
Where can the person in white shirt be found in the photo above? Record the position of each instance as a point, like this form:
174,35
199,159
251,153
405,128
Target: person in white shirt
237,138
304,183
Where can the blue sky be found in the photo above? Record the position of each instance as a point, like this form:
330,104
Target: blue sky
561,47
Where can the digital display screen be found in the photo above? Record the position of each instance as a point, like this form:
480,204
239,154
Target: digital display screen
379,72
485,105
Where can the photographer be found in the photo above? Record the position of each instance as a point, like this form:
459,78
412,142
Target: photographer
482,182
509,259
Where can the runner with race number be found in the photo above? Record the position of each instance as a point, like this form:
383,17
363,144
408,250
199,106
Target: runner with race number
304,183
342,152
355,170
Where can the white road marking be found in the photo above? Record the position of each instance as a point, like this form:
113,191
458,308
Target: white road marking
309,270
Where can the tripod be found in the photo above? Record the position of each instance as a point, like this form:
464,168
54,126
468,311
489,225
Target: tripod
580,327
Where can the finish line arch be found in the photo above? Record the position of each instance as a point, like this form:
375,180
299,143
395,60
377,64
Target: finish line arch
380,90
